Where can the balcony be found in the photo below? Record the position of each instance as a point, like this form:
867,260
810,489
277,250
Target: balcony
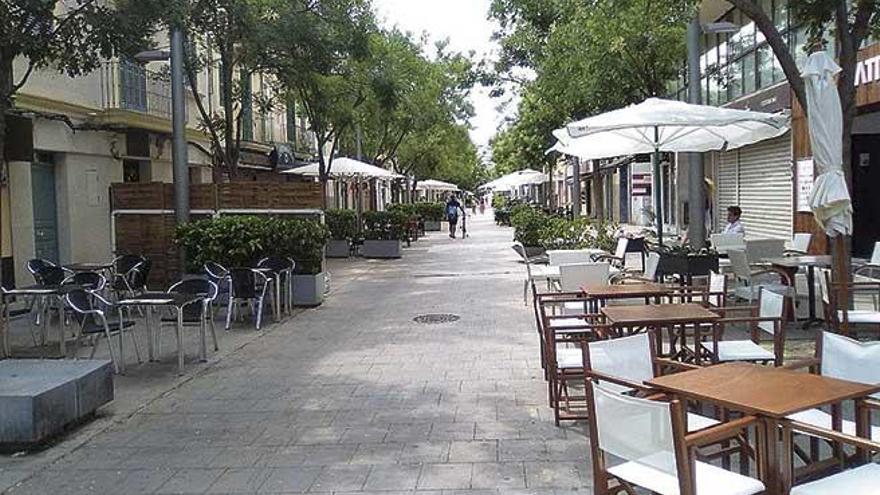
129,86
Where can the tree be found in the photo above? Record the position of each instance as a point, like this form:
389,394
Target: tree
313,49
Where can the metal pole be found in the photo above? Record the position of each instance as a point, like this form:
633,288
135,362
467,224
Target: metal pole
696,195
576,187
179,159
656,185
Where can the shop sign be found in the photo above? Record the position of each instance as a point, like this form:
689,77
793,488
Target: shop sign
804,184
868,71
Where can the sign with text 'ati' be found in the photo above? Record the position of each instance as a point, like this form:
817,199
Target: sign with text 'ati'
641,184
868,71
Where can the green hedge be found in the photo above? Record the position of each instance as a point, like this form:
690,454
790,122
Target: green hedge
385,225
578,233
241,241
342,224
527,223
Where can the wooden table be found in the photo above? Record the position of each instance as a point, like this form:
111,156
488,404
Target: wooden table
791,264
626,291
770,393
660,316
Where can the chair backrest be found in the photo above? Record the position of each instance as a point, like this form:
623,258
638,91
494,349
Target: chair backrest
725,242
620,251
559,257
90,281
626,357
82,304
196,286
246,283
275,263
739,263
770,305
50,275
137,276
652,262
635,430
576,275
875,256
717,288
762,249
37,264
849,359
801,241
123,264
215,271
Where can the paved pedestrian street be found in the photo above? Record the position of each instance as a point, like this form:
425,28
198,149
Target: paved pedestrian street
352,397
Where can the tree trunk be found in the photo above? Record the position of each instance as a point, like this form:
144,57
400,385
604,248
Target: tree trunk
6,86
231,158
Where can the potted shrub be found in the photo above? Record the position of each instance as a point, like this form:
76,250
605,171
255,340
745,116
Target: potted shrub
527,223
304,241
412,220
383,231
343,229
432,214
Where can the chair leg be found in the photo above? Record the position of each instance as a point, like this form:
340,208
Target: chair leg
112,354
526,292
134,343
229,306
94,347
213,333
259,312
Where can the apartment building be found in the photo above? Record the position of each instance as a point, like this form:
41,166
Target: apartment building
77,136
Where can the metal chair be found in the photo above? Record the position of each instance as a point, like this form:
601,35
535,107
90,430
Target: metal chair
246,285
281,278
658,453
750,282
200,315
94,322
123,271
90,281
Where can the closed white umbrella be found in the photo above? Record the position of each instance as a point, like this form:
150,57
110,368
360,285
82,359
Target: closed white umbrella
830,200
657,125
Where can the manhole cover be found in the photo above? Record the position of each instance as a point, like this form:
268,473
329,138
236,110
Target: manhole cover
436,318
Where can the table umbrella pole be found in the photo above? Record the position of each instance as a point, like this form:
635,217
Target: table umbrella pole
658,200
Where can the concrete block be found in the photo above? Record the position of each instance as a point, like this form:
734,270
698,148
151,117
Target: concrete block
308,290
381,249
39,398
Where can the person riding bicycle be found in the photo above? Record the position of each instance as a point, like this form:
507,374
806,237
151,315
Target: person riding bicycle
452,209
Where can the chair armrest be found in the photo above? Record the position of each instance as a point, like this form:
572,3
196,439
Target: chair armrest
803,363
794,252
676,364
600,257
717,433
748,319
774,271
836,436
602,377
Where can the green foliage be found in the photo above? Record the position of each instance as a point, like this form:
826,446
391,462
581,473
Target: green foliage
434,212
384,225
241,241
578,233
527,223
407,209
341,223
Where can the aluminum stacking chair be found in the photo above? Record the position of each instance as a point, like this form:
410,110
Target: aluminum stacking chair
246,285
751,281
535,273
90,311
194,315
657,453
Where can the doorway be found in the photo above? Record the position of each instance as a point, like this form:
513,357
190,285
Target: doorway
45,208
866,201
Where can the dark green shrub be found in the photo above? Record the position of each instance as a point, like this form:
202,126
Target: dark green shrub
385,225
527,223
433,212
342,224
578,233
241,241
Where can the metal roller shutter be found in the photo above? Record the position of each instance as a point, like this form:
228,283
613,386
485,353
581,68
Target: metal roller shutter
765,182
726,181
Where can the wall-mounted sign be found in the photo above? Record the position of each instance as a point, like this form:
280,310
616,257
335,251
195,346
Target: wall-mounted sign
867,71
804,184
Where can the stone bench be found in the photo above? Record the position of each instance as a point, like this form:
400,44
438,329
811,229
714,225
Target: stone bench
40,398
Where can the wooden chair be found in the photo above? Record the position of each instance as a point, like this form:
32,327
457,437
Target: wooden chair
799,245
658,453
618,259
767,317
649,274
563,336
840,357
862,480
751,281
842,318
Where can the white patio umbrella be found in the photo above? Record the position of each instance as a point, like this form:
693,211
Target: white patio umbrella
657,125
436,185
830,200
516,179
343,167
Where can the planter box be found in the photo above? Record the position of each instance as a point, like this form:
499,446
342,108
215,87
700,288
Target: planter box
433,226
680,264
338,248
381,249
308,290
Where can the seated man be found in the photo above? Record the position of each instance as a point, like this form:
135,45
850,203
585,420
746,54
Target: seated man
734,225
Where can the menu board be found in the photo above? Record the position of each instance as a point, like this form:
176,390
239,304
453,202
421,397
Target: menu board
804,183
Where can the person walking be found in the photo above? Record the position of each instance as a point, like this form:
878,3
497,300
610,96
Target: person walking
452,209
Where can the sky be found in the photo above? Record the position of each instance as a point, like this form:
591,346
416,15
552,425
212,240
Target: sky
465,24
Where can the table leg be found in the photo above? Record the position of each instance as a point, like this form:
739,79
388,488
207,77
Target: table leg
151,339
811,291
203,351
62,338
179,340
774,469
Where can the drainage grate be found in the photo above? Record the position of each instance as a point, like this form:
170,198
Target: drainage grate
436,318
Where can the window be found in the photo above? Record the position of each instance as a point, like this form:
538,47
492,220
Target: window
765,66
704,97
748,73
798,42
780,14
734,81
713,90
131,171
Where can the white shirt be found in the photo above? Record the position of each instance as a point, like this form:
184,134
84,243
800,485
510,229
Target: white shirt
734,228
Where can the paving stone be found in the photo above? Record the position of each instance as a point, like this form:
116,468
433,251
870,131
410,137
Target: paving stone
445,476
474,451
553,475
239,480
289,480
392,477
191,481
498,475
341,478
